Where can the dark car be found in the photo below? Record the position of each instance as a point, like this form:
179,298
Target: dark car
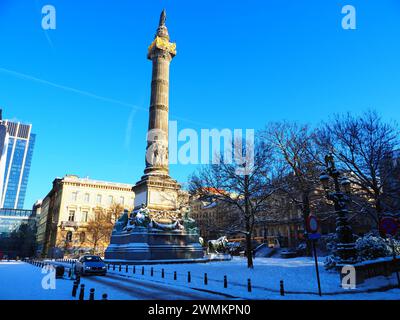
90,264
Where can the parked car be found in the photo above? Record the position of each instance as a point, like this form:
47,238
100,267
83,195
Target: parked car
90,264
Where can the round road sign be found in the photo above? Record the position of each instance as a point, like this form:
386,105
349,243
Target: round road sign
312,224
388,226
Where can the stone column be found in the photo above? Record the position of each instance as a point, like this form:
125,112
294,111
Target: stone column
160,52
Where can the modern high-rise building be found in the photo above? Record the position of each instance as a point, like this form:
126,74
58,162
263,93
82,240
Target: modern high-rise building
3,153
17,148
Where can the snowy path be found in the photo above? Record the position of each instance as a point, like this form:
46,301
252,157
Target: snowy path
149,290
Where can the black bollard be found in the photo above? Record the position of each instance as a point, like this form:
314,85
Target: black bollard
282,289
119,268
162,273
108,266
151,271
174,275
142,270
91,294
225,282
189,277
113,267
126,268
74,289
205,279
248,285
82,292
134,269
104,296
70,272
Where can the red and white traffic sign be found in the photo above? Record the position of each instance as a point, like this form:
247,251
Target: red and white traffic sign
312,224
388,226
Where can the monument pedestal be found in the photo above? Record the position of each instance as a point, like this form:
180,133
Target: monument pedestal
157,192
143,245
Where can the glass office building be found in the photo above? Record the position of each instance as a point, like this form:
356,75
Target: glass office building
11,220
20,144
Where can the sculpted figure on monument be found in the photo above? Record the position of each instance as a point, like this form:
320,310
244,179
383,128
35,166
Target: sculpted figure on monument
189,223
141,217
217,246
121,223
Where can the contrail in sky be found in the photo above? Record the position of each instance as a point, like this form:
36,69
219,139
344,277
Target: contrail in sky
89,94
66,88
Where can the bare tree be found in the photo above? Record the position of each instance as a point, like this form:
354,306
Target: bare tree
362,145
244,185
99,227
293,147
115,210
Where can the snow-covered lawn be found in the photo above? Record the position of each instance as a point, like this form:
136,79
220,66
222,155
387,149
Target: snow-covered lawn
20,280
298,275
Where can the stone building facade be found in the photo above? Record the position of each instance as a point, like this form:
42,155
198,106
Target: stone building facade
69,206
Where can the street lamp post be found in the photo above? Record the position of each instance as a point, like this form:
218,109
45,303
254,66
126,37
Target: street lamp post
345,248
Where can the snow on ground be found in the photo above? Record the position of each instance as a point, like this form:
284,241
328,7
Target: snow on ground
23,281
298,275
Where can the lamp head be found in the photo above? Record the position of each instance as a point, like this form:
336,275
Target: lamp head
324,178
346,184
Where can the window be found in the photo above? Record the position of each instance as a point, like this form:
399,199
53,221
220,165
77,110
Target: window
98,199
121,200
110,199
74,196
85,214
87,197
82,237
68,237
71,216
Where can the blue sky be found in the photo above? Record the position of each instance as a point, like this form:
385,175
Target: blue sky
85,86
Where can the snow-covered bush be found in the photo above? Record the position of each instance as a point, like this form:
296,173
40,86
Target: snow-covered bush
372,246
368,247
396,247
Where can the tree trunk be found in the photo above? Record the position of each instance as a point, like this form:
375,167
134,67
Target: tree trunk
378,207
249,251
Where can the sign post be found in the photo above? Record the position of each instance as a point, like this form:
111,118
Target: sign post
313,235
389,226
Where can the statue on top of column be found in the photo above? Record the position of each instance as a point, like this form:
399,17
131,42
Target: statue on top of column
163,18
